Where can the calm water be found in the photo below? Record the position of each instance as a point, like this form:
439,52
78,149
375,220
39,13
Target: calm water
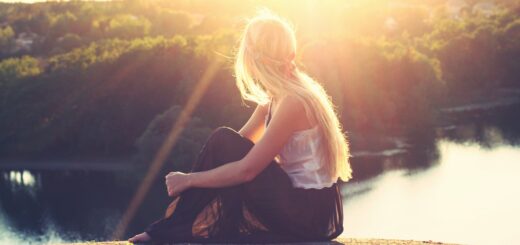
472,196
463,188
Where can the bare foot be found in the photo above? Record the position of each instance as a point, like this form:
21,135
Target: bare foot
143,237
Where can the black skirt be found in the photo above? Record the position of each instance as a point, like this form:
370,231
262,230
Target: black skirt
267,209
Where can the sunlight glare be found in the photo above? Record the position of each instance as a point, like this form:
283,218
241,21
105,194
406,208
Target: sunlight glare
449,199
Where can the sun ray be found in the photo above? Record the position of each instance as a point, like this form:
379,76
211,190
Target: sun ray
166,148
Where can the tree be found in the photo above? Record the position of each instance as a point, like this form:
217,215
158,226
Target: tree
13,70
188,145
7,36
128,26
169,22
63,23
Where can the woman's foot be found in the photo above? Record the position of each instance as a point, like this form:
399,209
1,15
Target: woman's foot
143,237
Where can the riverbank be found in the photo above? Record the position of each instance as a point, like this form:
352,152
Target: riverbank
366,144
345,241
107,164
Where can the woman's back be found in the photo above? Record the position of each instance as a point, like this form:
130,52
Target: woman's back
301,160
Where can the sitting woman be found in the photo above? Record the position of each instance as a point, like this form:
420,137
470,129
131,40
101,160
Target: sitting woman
276,179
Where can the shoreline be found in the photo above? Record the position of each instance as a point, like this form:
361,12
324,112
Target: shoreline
386,146
339,241
108,164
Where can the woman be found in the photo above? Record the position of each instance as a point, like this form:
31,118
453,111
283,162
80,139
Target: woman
272,181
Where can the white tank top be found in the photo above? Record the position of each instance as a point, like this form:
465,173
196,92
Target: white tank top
299,158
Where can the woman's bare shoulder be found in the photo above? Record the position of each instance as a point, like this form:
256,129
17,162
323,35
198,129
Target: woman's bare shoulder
293,107
291,103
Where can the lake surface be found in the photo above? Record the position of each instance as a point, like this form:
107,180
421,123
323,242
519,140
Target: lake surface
472,196
462,187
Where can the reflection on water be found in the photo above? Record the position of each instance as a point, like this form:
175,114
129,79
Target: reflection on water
459,186
8,236
53,206
463,189
24,185
22,179
471,197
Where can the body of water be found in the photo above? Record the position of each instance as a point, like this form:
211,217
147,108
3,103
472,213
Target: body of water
461,187
471,197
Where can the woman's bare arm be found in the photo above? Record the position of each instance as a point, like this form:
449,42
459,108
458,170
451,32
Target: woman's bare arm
280,128
276,135
255,127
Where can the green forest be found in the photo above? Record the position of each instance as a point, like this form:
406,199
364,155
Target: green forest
108,79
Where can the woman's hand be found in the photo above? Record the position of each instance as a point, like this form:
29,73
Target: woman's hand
177,182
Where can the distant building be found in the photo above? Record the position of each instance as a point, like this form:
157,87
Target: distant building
459,7
25,41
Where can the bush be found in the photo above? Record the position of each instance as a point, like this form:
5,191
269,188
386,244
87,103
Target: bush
188,145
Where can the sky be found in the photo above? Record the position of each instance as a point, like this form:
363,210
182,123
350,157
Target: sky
35,1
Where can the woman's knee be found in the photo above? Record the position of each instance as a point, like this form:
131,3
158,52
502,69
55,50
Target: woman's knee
223,131
226,144
224,135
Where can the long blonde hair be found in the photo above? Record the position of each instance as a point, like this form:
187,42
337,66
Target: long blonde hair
265,69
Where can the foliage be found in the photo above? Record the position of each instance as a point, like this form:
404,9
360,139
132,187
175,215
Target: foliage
107,51
107,73
13,69
127,26
188,145
67,42
6,38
